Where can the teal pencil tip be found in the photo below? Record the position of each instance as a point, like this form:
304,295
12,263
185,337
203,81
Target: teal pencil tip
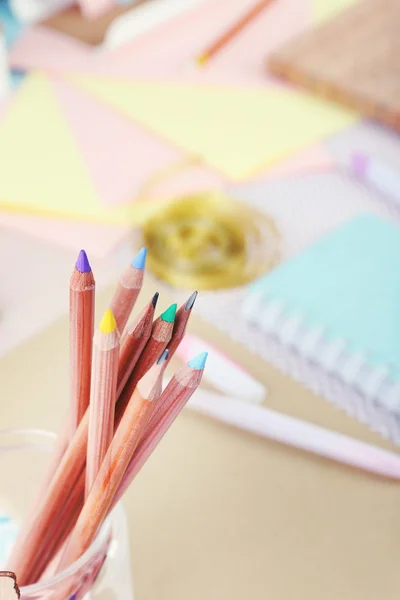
169,314
140,259
198,362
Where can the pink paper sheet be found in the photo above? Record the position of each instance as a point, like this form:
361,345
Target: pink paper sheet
119,155
170,50
167,52
98,240
101,240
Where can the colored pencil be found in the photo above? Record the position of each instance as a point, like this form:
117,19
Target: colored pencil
119,454
103,395
177,393
49,556
128,290
161,334
232,32
181,321
122,379
133,342
37,532
82,294
166,409
58,452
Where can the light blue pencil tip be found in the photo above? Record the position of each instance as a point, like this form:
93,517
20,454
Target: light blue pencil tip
140,259
198,362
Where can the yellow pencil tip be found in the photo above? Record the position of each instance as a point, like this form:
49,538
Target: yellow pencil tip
108,323
201,60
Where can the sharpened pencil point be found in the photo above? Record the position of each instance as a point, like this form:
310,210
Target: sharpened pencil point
169,314
140,259
198,362
163,357
155,299
108,323
82,263
191,301
202,60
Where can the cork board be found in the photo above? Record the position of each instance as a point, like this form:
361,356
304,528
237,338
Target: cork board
353,59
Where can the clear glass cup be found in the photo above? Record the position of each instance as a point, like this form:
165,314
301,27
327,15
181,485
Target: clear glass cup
24,456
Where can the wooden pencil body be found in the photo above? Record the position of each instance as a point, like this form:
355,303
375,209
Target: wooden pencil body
37,532
113,467
58,452
161,335
82,295
131,350
166,409
102,402
126,294
233,31
133,343
155,350
109,477
178,332
48,559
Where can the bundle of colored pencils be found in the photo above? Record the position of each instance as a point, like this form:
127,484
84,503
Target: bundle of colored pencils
118,414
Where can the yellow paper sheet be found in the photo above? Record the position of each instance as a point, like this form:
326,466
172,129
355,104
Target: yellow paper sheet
327,9
236,130
41,168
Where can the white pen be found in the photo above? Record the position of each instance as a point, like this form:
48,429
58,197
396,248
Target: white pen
225,375
383,177
299,434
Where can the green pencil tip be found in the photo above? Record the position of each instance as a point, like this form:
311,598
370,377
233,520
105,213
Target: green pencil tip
169,314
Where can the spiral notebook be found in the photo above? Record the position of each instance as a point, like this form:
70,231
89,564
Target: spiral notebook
333,313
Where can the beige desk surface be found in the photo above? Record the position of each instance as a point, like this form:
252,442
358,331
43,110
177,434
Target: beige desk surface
221,515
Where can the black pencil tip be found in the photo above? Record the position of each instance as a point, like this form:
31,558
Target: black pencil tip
155,299
163,357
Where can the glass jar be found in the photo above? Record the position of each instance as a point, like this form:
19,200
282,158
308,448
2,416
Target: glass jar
23,459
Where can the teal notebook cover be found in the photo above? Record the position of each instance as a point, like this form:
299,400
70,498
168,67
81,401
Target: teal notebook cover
348,283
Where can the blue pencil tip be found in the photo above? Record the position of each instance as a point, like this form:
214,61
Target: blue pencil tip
140,259
82,264
198,362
